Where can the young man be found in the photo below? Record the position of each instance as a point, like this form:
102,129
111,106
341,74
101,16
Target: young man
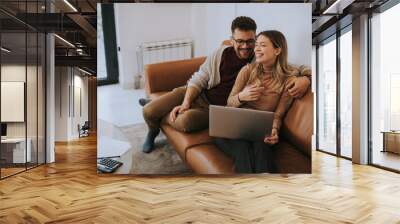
188,106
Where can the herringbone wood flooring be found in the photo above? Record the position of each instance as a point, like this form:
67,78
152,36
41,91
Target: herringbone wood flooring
70,191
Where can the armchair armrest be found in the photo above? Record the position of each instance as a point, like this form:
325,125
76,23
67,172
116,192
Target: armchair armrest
166,76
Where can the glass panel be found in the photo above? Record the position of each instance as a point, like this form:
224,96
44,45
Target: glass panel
346,94
385,84
23,88
31,100
31,86
13,89
327,97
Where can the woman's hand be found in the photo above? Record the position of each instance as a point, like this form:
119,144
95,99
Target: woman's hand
251,93
298,86
178,110
273,138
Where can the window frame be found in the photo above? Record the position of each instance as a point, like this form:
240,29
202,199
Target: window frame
110,46
334,37
379,10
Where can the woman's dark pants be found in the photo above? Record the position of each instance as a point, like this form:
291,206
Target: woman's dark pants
248,156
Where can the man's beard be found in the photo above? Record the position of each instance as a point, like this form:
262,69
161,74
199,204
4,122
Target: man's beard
247,51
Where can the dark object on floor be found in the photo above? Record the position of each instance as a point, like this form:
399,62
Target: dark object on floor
107,165
143,101
84,130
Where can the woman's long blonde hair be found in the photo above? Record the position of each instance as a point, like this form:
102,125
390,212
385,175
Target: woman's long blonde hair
281,69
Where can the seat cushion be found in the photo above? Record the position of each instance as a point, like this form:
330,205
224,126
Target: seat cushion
182,141
290,160
208,159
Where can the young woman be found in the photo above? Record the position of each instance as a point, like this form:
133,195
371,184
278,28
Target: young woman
262,86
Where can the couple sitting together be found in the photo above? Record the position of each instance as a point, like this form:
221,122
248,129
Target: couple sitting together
252,73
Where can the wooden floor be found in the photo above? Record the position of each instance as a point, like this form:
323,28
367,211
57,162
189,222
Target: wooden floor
70,191
5,172
10,171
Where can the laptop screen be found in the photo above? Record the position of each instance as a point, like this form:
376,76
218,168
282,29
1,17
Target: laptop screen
3,129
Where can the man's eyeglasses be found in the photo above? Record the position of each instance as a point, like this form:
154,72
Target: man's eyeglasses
241,42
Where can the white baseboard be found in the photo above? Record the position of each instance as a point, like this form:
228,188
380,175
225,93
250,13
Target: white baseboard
128,85
135,84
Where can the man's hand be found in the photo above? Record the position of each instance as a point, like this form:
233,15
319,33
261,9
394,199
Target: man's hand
273,138
298,86
251,93
179,110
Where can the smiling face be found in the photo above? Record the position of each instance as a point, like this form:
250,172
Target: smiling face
243,43
266,53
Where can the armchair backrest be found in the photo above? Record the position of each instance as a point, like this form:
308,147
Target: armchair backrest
227,43
298,123
166,76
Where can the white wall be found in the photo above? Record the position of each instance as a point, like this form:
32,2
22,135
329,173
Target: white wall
16,72
208,24
13,94
61,103
33,126
67,115
293,20
80,83
211,24
144,22
208,32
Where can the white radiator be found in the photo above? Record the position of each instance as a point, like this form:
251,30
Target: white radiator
161,51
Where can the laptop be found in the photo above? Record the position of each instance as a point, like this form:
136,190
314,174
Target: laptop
240,123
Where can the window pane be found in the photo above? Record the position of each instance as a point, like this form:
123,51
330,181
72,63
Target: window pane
385,84
31,100
345,94
327,97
